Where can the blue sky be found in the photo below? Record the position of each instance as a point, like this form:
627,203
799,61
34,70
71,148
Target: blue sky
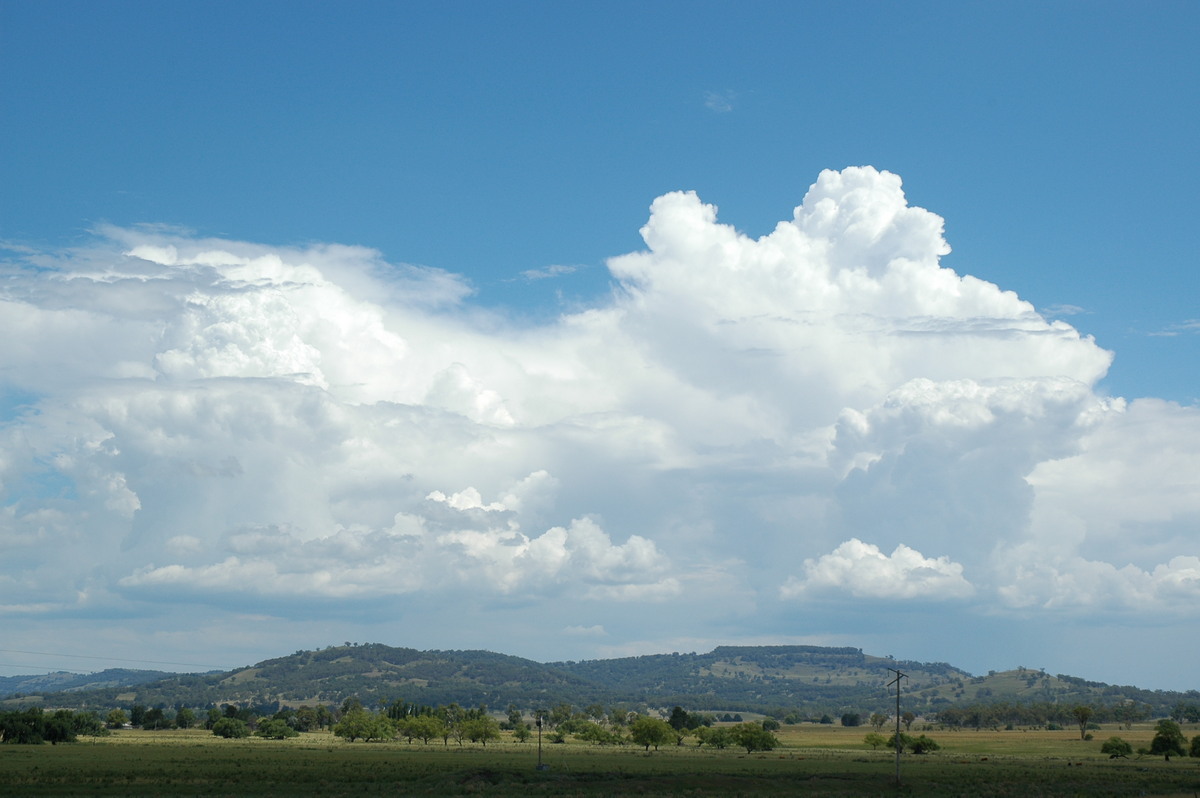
1056,139
446,185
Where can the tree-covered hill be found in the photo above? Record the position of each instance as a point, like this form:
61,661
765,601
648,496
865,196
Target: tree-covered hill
63,681
731,678
805,681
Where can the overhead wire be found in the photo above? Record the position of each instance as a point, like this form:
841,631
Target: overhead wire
106,659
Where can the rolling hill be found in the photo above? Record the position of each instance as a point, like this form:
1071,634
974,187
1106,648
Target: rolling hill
801,680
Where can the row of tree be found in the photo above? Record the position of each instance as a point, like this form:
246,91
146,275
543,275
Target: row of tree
1168,740
1006,714
34,726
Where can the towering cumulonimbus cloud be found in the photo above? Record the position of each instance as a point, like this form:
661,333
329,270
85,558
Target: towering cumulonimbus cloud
743,423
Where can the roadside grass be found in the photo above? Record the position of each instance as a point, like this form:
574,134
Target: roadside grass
813,760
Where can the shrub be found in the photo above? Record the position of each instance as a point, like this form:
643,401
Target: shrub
1116,747
874,739
918,745
230,728
922,745
275,730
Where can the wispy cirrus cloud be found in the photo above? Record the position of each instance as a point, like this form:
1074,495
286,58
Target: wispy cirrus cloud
721,102
1181,328
554,270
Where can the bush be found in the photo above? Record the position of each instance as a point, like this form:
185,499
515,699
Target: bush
874,740
275,730
1195,749
918,745
231,728
922,745
1116,747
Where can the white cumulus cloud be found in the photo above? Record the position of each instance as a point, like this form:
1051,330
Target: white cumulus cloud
195,421
864,571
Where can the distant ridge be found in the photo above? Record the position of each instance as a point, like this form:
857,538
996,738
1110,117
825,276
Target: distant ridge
778,680
65,681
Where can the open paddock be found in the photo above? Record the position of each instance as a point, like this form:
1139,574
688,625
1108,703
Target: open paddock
813,761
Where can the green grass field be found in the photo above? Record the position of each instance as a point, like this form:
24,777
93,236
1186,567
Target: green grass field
813,760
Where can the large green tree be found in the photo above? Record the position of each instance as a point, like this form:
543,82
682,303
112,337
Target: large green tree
647,731
753,737
275,729
359,723
423,727
230,728
1168,739
481,729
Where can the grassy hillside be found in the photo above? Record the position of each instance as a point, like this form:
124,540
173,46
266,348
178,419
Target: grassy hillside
804,681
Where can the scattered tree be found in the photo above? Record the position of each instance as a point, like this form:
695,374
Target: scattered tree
559,714
851,719
1168,739
648,731
358,722
714,736
753,737
116,719
874,739
679,719
423,727
1082,714
480,729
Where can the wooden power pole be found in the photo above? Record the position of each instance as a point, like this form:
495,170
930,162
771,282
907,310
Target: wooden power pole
899,745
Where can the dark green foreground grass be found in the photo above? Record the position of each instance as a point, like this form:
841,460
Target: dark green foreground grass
192,767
